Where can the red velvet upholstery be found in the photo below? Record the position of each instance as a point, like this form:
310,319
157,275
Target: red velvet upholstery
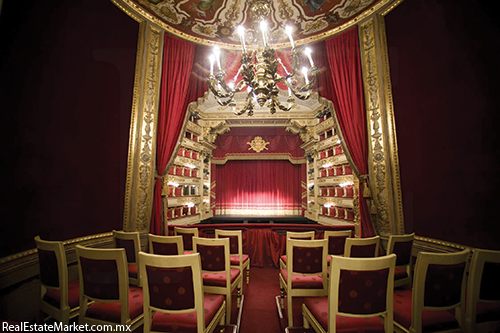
300,281
49,275
307,260
132,270
443,284
235,260
165,248
128,245
219,279
233,244
186,322
111,311
212,257
487,312
336,245
53,296
170,281
403,250
400,273
349,192
319,308
187,240
100,278
363,251
431,320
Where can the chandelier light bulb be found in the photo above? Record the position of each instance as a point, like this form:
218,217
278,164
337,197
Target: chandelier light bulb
217,56
308,52
288,30
263,28
241,32
212,60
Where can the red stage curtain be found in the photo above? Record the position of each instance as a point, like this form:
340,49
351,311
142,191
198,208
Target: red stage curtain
177,63
258,187
346,93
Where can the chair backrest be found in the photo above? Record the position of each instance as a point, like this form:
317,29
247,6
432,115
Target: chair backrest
439,284
483,287
300,235
214,254
130,241
187,236
183,292
165,245
235,241
53,268
402,246
336,241
103,277
370,281
362,247
307,257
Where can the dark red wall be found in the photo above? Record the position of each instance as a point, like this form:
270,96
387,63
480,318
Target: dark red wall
66,75
444,69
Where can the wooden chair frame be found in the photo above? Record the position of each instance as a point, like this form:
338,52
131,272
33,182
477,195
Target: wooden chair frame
286,287
350,242
188,260
354,264
120,257
135,237
238,233
64,313
179,231
305,235
341,233
229,287
165,240
393,239
424,259
479,258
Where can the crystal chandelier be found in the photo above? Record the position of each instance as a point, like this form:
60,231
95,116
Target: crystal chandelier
258,74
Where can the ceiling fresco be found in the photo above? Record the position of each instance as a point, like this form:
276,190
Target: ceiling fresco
215,21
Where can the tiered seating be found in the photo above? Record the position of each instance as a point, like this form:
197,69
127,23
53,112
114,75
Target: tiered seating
59,298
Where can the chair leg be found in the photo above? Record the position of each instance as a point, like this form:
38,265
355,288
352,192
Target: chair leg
229,308
248,274
305,322
289,310
238,297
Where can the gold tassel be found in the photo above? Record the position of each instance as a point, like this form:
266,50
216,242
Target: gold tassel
366,186
373,209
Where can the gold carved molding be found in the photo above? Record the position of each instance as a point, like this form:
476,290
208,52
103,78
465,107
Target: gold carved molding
141,169
383,158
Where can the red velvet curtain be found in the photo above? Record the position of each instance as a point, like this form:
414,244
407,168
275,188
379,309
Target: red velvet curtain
258,187
343,85
177,64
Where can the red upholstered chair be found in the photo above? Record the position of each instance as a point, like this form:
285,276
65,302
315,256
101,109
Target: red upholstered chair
238,258
174,300
483,292
307,235
59,298
104,281
305,273
437,301
187,237
131,242
362,247
360,291
165,245
218,276
336,242
402,246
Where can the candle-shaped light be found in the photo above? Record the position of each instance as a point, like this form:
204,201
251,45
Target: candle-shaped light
217,56
212,59
289,80
308,51
288,30
263,28
304,72
241,32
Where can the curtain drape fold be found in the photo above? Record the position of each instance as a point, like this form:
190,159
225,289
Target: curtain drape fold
343,85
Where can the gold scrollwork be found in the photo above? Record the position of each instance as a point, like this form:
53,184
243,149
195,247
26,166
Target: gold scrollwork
258,144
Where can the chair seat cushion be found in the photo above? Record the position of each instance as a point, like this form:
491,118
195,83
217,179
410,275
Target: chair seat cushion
400,273
235,259
111,311
132,271
487,311
431,320
186,322
319,309
188,252
53,297
219,279
302,281
283,258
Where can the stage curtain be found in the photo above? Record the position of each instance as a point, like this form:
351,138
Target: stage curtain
344,87
177,64
258,187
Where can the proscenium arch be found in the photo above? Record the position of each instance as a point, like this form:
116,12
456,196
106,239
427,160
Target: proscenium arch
383,158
